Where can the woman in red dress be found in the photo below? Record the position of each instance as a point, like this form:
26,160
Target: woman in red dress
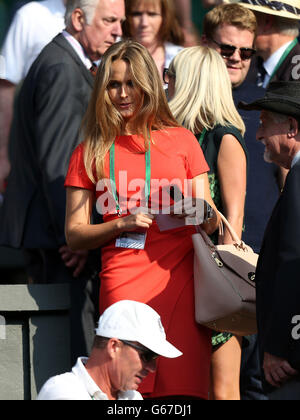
134,155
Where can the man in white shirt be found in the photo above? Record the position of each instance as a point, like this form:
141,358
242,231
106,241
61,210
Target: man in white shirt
33,27
129,339
271,63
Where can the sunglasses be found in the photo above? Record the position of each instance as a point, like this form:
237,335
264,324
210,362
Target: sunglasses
228,50
167,74
146,355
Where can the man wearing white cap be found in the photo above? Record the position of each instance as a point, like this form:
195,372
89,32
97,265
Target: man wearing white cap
129,339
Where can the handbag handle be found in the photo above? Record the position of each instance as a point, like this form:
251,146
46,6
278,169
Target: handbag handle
232,232
230,228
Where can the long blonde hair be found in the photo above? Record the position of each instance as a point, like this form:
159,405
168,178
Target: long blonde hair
103,122
203,92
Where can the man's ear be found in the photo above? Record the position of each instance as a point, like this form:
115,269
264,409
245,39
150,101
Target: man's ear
113,347
293,127
78,20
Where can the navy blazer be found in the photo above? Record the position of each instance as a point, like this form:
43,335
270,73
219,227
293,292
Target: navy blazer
289,70
278,276
49,111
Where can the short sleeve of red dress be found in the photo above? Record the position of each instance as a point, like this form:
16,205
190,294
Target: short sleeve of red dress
76,175
196,163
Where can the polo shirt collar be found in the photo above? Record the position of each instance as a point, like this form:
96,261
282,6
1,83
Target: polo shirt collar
91,387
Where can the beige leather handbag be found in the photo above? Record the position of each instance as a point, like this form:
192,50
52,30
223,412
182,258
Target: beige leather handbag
224,277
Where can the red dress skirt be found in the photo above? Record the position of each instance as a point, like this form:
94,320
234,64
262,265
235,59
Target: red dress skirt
161,274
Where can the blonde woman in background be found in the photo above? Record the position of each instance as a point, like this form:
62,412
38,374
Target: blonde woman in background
200,96
153,24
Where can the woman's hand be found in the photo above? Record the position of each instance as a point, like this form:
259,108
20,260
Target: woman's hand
81,234
192,207
134,222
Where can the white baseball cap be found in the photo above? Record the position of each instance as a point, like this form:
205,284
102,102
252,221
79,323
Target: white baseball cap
136,321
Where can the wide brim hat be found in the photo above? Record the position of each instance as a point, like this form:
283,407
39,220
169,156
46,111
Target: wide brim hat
280,97
287,9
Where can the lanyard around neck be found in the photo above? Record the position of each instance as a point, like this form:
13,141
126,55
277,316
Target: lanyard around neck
113,177
283,57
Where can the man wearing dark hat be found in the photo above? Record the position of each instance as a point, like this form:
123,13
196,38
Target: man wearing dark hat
277,275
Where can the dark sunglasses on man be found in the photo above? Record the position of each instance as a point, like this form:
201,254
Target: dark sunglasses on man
228,50
146,355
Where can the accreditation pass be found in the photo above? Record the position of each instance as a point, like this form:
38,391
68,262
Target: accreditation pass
131,240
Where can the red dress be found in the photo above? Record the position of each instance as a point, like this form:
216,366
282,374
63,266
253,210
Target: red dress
161,275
